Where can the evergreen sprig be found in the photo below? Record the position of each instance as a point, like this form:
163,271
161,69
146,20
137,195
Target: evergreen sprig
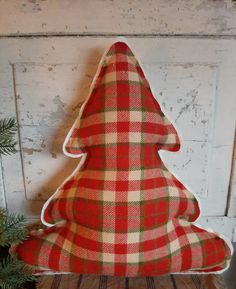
8,128
12,228
14,273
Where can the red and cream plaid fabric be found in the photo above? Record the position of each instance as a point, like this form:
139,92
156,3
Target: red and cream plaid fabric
123,213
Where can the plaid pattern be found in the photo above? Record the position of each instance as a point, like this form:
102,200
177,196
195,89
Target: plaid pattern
124,213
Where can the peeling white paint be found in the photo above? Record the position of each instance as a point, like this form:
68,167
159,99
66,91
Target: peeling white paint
198,17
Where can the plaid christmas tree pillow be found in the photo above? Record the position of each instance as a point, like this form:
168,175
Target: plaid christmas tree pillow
122,212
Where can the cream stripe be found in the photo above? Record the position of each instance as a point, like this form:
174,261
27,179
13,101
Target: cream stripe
109,237
121,75
133,196
111,116
113,59
132,257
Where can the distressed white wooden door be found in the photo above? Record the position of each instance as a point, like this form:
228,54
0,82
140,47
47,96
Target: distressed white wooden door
43,82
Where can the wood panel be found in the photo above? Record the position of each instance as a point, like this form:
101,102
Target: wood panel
223,225
48,100
181,280
12,173
195,17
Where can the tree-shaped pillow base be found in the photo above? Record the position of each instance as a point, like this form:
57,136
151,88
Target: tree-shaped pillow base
122,212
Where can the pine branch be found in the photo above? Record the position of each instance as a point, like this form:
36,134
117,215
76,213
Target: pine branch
7,146
8,127
12,228
14,273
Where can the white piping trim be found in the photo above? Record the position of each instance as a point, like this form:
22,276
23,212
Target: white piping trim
83,157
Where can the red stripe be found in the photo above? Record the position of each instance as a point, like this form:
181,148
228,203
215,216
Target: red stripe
122,185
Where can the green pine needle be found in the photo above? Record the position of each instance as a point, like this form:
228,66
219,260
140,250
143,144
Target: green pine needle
7,146
12,228
14,273
8,128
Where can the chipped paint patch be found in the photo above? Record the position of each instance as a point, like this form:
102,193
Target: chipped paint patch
193,93
30,151
54,155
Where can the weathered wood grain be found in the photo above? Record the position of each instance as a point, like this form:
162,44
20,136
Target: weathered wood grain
49,98
183,281
195,17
